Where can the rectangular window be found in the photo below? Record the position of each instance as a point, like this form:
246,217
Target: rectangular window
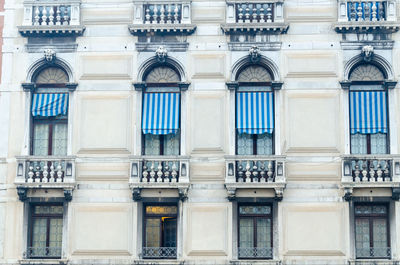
372,231
49,124
160,232
46,226
255,232
161,123
254,123
368,122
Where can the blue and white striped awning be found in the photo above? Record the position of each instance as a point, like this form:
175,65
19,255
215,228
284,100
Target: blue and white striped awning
255,112
49,105
161,113
368,112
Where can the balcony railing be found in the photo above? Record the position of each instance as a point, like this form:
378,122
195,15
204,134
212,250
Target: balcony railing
254,253
255,172
45,171
163,16
378,253
43,252
366,15
254,16
371,170
51,17
159,252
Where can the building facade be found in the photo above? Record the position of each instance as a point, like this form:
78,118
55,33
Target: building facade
199,132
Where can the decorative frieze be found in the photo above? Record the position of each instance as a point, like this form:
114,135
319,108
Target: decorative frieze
254,16
51,18
255,172
163,17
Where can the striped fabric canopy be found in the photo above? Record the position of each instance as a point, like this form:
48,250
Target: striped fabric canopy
161,113
255,112
49,105
368,112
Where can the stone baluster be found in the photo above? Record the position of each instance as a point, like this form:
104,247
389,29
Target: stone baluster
30,174
263,173
51,16
366,11
357,172
152,172
45,173
159,172
174,173
359,12
255,172
66,17
52,172
381,12
37,174
162,15
169,14
167,173
37,16
270,172
147,16
386,171
269,13
352,11
379,172
155,15
248,173
44,16
364,172
58,15
176,14
247,14
374,12
254,19
59,172
262,20
145,174
371,171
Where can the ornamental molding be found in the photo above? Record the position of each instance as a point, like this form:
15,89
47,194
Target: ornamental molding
254,53
161,54
367,52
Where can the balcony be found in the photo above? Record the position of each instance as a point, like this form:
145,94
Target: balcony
164,17
48,172
51,18
255,172
254,253
380,171
159,172
373,253
254,16
43,253
367,16
159,252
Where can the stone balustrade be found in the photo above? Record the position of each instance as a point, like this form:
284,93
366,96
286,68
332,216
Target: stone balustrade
367,16
163,16
255,172
45,171
51,17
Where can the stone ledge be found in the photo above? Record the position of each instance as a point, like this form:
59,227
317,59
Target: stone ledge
277,28
162,28
51,30
366,27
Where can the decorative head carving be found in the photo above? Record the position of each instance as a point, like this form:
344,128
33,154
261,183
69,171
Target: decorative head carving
49,55
254,53
367,52
161,54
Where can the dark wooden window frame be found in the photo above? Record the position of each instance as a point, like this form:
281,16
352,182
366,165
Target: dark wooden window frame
366,83
153,216
254,136
255,217
162,137
370,218
33,216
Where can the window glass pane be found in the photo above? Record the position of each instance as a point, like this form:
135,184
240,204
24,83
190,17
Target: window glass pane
40,139
169,232
160,210
244,144
246,232
39,235
152,144
264,144
48,209
380,237
368,209
153,226
171,144
378,143
263,233
254,209
55,240
362,238
358,143
60,139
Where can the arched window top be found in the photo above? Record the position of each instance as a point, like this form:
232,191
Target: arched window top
366,72
162,74
254,73
51,75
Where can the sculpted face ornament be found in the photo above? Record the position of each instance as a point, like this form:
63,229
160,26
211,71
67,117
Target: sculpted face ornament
161,54
49,55
367,52
254,54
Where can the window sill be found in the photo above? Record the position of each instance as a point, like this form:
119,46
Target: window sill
43,261
373,261
159,261
250,262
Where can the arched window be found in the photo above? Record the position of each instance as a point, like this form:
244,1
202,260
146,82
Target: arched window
254,111
49,112
161,111
368,110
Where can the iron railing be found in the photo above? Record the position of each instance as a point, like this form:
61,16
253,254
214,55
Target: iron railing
255,253
159,252
43,252
382,253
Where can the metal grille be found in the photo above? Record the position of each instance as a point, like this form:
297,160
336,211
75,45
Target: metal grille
159,252
44,252
264,253
373,252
